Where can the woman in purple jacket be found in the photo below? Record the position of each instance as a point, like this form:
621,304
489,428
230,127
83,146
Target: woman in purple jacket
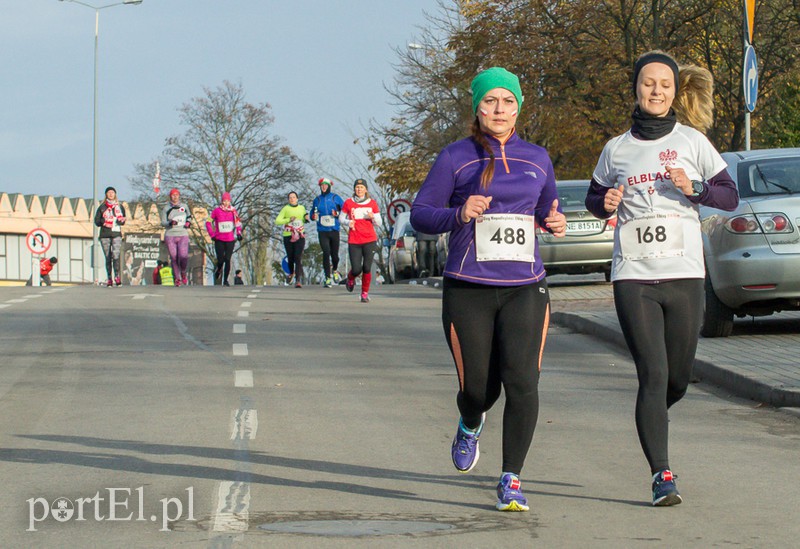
224,228
490,191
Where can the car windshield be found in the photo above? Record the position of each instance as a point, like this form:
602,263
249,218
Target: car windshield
779,176
572,195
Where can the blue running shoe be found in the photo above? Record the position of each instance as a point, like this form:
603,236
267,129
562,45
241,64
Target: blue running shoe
665,492
509,494
465,450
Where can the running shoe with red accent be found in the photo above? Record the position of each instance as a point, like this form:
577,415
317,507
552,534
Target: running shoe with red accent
117,281
364,297
466,450
509,494
350,283
665,492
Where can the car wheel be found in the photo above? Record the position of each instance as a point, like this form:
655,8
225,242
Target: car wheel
717,317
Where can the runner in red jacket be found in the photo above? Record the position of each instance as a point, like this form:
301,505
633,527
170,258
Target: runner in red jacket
360,215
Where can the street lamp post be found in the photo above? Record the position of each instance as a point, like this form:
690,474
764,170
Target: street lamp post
94,120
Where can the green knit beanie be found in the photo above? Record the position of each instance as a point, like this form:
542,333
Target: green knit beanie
496,77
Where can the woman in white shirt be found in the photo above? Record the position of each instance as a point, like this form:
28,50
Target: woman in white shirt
654,177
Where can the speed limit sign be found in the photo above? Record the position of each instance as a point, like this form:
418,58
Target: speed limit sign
38,241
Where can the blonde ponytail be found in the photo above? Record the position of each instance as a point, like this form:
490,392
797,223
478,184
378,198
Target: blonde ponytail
694,104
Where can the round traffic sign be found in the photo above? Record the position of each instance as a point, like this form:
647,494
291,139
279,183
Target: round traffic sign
38,241
396,207
750,78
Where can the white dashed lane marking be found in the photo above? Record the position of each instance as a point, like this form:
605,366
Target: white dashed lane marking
247,304
233,507
251,296
243,378
16,301
240,328
245,424
244,314
240,349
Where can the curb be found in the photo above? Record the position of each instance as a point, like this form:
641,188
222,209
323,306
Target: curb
738,384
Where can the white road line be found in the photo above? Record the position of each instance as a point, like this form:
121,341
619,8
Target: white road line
256,291
32,296
233,507
240,328
252,296
243,313
240,349
247,303
16,301
140,296
243,378
3,306
245,424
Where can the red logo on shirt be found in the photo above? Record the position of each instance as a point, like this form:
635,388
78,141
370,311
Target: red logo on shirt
667,157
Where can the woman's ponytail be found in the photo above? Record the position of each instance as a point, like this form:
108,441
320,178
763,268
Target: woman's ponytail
480,138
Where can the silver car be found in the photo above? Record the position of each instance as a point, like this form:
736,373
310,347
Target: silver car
588,245
752,254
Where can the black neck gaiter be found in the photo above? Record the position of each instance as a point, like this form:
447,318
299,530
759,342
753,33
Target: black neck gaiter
649,127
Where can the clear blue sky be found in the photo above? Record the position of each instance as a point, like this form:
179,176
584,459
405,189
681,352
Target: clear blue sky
321,64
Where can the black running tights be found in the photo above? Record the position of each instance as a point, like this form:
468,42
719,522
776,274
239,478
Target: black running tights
496,335
661,325
329,242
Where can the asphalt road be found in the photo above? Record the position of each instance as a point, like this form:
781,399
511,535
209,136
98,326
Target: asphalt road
250,417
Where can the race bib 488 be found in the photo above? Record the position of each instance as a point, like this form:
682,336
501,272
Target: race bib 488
505,237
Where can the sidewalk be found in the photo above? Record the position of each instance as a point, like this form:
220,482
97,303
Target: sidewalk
761,361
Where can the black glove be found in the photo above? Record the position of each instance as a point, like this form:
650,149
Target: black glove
239,237
173,222
187,225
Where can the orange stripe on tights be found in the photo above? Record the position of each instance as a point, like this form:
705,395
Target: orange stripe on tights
544,333
456,346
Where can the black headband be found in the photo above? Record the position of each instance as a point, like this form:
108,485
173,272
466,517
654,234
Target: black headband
648,58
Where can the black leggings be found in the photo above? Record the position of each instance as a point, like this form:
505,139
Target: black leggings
224,251
661,324
496,335
329,242
361,257
294,256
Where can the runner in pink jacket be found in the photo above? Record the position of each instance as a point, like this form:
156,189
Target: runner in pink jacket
225,228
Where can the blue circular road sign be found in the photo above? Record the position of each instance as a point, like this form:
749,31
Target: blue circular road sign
750,78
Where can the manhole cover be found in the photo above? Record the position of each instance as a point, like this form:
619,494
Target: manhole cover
355,528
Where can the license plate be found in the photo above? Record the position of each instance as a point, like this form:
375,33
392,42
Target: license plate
584,226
